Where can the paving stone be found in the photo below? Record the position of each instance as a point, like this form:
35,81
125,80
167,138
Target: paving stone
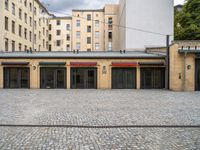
96,108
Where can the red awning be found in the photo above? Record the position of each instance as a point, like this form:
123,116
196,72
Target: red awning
124,64
83,64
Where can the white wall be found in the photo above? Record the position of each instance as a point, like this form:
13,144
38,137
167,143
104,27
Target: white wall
122,24
155,16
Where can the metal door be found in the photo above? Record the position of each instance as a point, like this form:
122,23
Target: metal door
123,78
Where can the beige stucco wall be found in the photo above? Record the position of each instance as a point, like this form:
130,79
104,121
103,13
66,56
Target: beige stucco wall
63,37
104,70
181,78
15,37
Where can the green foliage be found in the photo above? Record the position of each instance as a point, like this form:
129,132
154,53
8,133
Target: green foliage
187,21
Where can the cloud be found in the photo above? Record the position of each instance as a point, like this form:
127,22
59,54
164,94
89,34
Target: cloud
68,5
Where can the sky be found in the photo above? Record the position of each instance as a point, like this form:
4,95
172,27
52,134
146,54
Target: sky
67,5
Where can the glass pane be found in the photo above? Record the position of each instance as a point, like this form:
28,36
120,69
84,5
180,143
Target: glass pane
60,78
49,78
24,78
14,78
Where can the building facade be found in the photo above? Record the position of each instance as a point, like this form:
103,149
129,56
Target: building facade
86,30
60,34
24,26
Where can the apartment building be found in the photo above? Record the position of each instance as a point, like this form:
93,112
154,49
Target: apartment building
23,26
27,25
86,30
60,34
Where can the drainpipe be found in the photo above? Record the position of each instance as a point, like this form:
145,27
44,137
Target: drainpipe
167,63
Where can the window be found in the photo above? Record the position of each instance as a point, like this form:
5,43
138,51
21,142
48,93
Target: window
39,47
39,35
89,17
110,21
89,28
97,34
13,46
58,22
47,33
39,22
43,30
50,48
97,46
30,20
43,43
88,40
20,14
30,36
110,35
20,30
20,47
78,46
58,43
6,23
35,11
78,34
7,4
50,37
35,24
13,27
96,23
35,38
68,47
30,6
25,18
68,26
25,33
25,3
25,47
58,32
47,45
88,50
13,8
6,44
50,27
68,37
110,46
78,23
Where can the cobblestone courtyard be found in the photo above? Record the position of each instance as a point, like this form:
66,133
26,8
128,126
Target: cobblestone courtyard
96,108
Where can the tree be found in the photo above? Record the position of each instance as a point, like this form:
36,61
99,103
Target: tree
187,21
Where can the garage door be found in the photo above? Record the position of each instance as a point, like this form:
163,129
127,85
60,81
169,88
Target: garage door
123,78
52,78
152,78
198,75
83,78
16,77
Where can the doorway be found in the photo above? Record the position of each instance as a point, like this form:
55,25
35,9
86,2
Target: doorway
83,78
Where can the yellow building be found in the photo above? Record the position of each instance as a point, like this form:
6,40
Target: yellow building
86,30
23,25
83,70
60,34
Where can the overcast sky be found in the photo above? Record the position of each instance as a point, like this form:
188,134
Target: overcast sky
68,5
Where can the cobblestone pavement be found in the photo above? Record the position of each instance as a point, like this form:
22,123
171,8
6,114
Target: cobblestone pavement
99,107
